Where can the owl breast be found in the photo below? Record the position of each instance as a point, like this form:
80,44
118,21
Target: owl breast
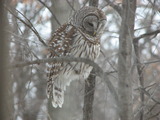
79,38
83,48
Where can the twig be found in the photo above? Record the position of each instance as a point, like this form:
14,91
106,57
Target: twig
150,85
149,62
146,93
152,108
146,35
33,28
114,6
28,25
50,12
154,115
85,2
70,5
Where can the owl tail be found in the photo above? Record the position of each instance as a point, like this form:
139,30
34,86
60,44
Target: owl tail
58,96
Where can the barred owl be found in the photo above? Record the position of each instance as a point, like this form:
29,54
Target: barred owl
80,37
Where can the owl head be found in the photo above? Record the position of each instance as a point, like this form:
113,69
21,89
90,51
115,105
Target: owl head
89,20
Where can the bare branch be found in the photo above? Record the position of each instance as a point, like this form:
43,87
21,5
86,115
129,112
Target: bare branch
85,2
152,108
147,34
114,6
139,68
150,62
98,71
28,25
70,5
146,93
60,59
154,115
50,12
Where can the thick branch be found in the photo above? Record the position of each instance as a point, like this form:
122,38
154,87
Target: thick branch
60,59
67,59
98,71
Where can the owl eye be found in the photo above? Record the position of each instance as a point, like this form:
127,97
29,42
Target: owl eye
90,24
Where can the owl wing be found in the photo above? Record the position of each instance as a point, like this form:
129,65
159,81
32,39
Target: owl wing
60,45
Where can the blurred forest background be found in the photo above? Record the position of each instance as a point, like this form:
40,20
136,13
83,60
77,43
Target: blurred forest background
30,21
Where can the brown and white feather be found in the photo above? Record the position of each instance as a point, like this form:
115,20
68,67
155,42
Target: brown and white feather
71,40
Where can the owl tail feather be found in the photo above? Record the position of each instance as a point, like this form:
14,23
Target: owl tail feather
58,96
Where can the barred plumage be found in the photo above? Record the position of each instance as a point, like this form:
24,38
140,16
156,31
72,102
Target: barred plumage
80,37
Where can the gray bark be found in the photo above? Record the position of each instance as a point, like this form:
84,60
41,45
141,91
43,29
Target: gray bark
89,96
5,112
124,60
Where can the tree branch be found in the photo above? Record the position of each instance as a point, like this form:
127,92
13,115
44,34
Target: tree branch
70,5
155,115
147,94
146,35
139,68
89,96
50,12
59,59
28,25
98,71
150,62
114,6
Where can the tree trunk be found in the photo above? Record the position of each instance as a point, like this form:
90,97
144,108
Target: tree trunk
90,84
124,60
89,96
5,112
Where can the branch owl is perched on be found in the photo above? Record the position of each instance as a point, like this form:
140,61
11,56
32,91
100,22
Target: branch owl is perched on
80,37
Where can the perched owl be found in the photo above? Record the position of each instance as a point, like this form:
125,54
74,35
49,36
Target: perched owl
80,37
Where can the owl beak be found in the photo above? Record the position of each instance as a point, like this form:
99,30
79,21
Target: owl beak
95,28
95,32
